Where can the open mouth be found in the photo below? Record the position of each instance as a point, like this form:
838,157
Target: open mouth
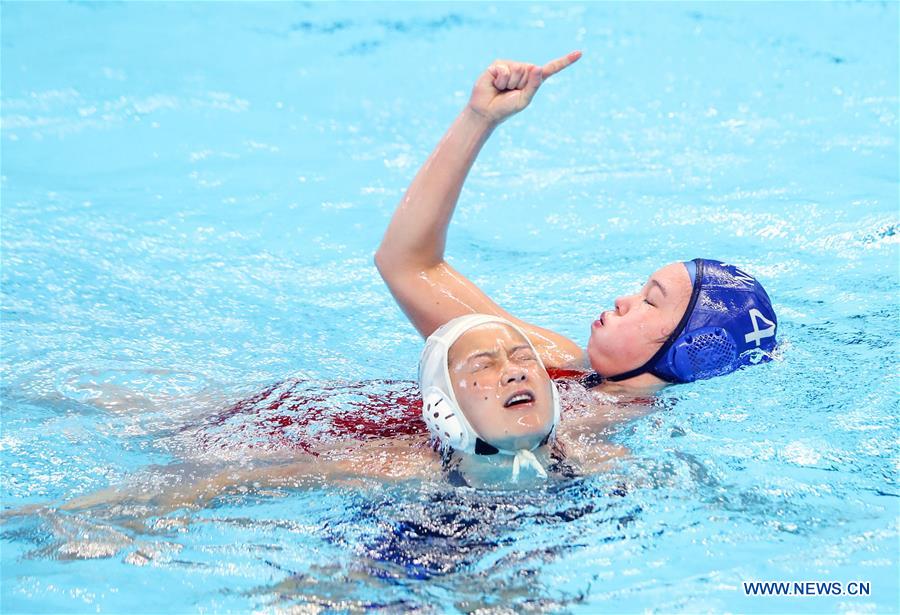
519,398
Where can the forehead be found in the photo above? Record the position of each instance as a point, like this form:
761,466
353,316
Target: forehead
674,276
485,338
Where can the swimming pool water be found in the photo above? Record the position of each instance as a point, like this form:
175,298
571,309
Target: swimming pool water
191,197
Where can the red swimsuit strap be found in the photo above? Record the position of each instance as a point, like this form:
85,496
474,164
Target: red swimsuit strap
563,373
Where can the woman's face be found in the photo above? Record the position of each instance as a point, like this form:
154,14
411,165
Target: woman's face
501,386
628,336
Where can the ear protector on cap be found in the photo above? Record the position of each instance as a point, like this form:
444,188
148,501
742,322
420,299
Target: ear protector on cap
703,353
450,427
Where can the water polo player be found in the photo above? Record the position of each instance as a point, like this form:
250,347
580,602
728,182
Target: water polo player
493,413
689,321
487,401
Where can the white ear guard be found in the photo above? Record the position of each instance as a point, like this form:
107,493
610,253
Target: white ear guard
444,422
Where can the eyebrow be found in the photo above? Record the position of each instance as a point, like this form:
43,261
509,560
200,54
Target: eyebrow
660,286
493,353
483,353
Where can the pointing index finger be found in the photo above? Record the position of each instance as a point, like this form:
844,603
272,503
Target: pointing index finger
554,66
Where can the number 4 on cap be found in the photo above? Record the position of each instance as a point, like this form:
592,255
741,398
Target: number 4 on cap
757,334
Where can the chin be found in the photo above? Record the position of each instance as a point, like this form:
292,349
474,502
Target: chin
595,364
518,436
593,353
534,434
605,366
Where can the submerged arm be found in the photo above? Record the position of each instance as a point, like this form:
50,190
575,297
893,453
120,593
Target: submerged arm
411,256
190,486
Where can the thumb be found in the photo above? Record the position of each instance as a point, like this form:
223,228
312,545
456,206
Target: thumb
535,78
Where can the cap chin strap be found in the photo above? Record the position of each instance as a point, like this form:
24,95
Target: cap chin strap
520,457
650,366
527,458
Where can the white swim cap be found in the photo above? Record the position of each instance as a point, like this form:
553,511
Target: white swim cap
450,426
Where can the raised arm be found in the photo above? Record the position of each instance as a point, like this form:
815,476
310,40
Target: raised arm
411,256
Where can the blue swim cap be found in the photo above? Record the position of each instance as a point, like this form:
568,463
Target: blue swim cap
729,323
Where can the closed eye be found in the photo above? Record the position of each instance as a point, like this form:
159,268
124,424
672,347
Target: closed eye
522,353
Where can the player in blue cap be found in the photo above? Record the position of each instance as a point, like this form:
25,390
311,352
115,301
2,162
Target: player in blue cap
728,323
690,321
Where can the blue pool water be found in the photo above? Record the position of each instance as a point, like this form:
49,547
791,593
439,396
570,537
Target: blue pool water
191,197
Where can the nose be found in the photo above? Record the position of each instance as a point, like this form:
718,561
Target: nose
624,304
513,373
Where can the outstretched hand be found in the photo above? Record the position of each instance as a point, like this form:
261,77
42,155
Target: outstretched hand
506,87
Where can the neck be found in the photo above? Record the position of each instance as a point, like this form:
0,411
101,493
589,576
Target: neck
644,384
